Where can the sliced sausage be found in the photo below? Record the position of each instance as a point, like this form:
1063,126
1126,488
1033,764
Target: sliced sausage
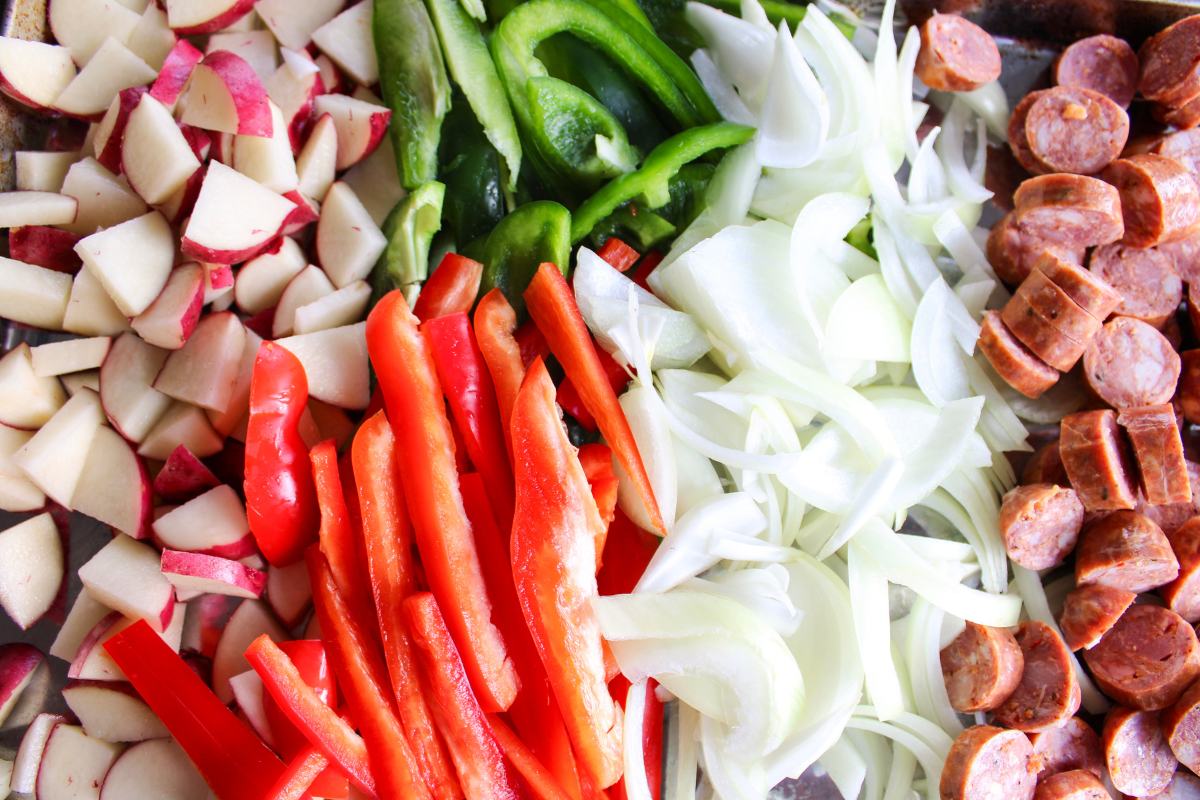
1071,129
1013,252
1048,693
1090,611
1040,524
1189,385
1072,210
1093,455
1183,146
1158,450
981,667
1185,256
1125,550
1186,117
1181,727
1147,659
1150,288
1102,63
1018,141
1184,786
1170,64
1182,595
1193,305
1072,745
1012,360
1045,466
1091,291
1130,363
1172,517
1057,332
1139,761
1160,201
1078,784
956,54
989,763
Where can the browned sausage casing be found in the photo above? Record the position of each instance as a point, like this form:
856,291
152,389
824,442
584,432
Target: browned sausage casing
1171,517
1147,659
1013,252
1186,117
1170,64
989,763
1018,142
1046,320
956,55
1093,455
1073,210
1185,256
1040,524
1145,278
1189,385
1071,129
1045,466
1139,761
1077,784
1183,146
1130,363
1160,201
1158,450
1072,745
1048,693
1181,727
1125,550
1184,786
1101,63
1183,594
1090,611
1012,360
1091,291
981,667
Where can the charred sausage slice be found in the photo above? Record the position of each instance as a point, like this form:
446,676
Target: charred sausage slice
1071,129
1048,693
981,667
1101,63
1125,550
1158,450
1090,611
1072,745
1145,279
1160,201
1077,784
1147,659
1183,594
1093,455
1181,727
1012,360
956,54
1072,210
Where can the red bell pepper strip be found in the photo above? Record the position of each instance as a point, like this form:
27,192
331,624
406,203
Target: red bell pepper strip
389,537
424,447
647,266
597,462
451,288
281,503
532,343
481,767
553,308
554,566
495,325
652,737
472,399
620,255
571,401
301,773
364,685
538,780
232,760
627,552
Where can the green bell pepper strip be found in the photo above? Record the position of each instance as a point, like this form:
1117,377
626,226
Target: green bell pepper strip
585,142
652,182
472,68
475,9
412,79
782,11
536,232
474,177
409,229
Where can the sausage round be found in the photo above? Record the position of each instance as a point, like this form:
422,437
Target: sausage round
1040,524
1181,727
989,763
1090,611
1012,360
1184,255
1170,64
1072,745
1146,280
1147,659
1130,363
1125,550
1172,517
1092,292
1013,252
1045,466
1160,201
1102,63
1189,385
1158,450
956,54
1183,146
1182,595
1093,455
1186,117
1078,784
1071,129
1048,693
1193,305
1018,142
1184,786
981,667
1072,210
1051,329
1139,761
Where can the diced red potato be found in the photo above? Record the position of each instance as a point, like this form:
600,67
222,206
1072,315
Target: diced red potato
989,762
1145,279
1012,360
1125,550
31,569
19,662
1139,761
113,486
213,523
1101,63
1048,693
154,768
92,662
29,753
1076,784
250,620
204,574
71,757
981,667
1073,129
1090,611
1094,457
956,54
1129,363
234,218
1147,659
112,711
1071,746
1160,200
1158,449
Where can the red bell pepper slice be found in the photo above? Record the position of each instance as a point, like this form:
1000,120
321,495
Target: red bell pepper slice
532,343
424,448
281,503
451,288
554,566
538,780
620,255
389,537
571,401
495,326
652,737
297,781
627,552
647,266
472,399
363,681
553,308
482,770
597,462
232,760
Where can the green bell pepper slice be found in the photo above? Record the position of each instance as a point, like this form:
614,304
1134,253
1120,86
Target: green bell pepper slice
535,233
409,228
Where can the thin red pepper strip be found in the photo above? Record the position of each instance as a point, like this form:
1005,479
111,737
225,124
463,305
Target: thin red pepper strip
620,255
451,288
472,399
553,308
233,761
495,326
424,447
538,780
298,778
364,685
281,503
481,767
389,540
627,552
571,401
554,566
324,729
652,736
596,460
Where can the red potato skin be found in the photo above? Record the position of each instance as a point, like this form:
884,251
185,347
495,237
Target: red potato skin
236,11
41,246
1093,455
176,69
1147,659
1125,550
1040,524
1076,784
1181,727
1139,761
1182,595
241,80
989,763
981,667
1090,611
1012,360
1073,745
956,54
1048,693
1101,63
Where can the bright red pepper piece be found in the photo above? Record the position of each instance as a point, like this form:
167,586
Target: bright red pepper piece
554,565
647,266
620,255
281,503
652,736
538,780
553,308
571,401
298,779
452,288
424,447
472,399
233,761
363,681
389,539
495,325
597,462
627,552
481,767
